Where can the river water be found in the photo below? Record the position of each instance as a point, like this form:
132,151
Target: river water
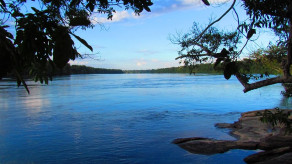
123,118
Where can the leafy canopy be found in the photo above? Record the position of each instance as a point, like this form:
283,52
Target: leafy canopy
222,47
43,34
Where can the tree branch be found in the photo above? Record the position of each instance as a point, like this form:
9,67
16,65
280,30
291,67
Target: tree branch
216,55
210,25
248,87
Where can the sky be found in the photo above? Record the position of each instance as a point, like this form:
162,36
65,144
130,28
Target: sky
142,42
131,42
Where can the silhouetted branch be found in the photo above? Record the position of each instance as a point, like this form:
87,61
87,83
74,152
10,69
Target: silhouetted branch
216,55
248,87
217,20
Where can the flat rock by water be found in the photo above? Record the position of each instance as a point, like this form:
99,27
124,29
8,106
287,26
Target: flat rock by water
251,134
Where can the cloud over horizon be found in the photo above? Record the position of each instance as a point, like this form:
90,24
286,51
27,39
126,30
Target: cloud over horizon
171,5
157,9
117,17
153,63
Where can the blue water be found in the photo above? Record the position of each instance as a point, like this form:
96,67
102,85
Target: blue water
124,118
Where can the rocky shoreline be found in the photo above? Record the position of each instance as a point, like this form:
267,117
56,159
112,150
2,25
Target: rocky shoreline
251,134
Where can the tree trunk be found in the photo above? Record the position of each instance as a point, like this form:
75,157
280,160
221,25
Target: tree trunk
287,78
286,69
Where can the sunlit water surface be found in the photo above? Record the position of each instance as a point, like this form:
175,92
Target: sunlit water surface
124,118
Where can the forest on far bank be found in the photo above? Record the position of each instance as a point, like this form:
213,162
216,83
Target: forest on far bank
249,66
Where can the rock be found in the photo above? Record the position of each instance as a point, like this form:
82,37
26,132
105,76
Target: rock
207,146
275,141
281,159
182,140
235,125
251,134
270,156
210,146
224,125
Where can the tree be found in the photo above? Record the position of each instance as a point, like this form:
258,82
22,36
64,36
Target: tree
44,34
221,47
270,58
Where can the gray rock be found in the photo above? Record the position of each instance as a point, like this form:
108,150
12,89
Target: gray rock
275,141
251,134
267,155
209,146
280,155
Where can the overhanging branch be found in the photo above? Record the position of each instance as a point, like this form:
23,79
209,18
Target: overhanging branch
248,87
217,20
216,55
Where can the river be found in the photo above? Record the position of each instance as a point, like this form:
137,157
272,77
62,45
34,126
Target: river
123,118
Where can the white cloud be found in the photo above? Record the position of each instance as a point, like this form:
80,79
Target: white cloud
75,62
117,16
141,63
166,6
153,64
199,2
157,8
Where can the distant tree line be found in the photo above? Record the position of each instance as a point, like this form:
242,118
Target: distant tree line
200,68
82,69
261,62
257,65
69,70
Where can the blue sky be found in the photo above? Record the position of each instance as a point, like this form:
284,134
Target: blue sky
142,42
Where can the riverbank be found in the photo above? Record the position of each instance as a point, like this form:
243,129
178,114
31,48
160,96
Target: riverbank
251,134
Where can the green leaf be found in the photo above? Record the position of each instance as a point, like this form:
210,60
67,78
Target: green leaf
20,80
3,3
79,21
224,53
82,41
250,33
218,61
229,70
227,74
16,13
147,8
35,10
206,2
90,6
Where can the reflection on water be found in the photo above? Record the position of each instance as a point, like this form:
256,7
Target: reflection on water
35,106
128,118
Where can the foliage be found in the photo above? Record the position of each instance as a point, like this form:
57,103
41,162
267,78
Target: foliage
279,117
271,58
222,47
213,45
273,14
44,34
201,68
82,69
249,66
